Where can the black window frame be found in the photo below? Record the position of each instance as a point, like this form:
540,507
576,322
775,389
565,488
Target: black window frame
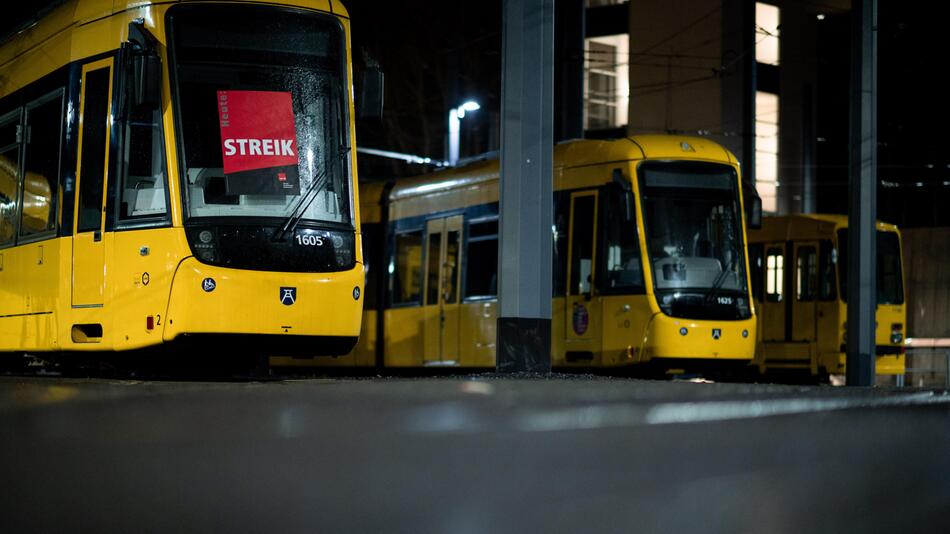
43,99
15,118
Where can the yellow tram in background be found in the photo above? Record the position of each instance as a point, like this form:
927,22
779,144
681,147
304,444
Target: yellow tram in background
176,172
799,280
649,261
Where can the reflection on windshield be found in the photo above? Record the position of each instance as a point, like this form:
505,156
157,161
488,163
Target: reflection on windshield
262,112
694,237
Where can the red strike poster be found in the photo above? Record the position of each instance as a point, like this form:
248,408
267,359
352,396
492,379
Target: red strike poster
258,142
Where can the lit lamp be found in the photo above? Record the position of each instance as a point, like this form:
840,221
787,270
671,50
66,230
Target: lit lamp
455,120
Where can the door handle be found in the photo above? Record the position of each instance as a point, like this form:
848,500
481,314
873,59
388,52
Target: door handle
97,235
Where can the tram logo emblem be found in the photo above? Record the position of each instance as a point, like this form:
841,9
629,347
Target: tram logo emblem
288,295
580,319
208,285
717,333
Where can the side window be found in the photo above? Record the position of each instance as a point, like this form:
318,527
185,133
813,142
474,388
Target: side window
434,257
827,257
774,275
806,269
481,274
559,269
9,175
142,189
44,131
95,112
624,271
582,246
406,269
757,266
371,253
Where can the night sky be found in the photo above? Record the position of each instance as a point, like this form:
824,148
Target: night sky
436,54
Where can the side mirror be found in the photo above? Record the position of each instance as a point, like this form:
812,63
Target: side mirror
147,81
626,189
146,66
371,94
754,212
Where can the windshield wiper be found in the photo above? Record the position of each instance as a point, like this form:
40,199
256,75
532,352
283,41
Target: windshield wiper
718,282
301,206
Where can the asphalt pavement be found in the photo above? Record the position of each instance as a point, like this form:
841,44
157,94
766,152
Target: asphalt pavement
470,454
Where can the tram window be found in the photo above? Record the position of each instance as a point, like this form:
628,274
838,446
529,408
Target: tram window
433,258
481,274
559,267
371,254
406,269
451,272
582,247
774,275
757,264
143,183
806,268
826,271
624,270
44,127
9,165
93,159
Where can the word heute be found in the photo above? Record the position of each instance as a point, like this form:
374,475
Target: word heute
259,147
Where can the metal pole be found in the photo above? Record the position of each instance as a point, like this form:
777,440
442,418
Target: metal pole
862,205
454,127
526,199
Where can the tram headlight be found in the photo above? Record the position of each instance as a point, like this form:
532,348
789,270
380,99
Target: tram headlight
666,304
743,306
204,246
897,333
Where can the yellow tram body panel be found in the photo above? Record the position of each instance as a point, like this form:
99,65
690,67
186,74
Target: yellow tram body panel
805,329
126,288
594,330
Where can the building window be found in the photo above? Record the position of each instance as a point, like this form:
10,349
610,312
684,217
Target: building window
606,81
766,149
767,34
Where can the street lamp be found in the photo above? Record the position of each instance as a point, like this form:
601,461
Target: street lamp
455,120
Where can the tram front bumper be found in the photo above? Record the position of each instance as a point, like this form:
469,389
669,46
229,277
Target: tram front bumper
676,338
214,300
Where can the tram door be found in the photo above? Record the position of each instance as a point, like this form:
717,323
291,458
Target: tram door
441,305
89,217
772,321
806,292
582,326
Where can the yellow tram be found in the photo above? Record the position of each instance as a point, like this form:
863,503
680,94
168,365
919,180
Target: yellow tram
799,276
176,172
649,261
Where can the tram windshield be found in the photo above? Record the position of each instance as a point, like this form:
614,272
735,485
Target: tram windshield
890,279
262,112
693,229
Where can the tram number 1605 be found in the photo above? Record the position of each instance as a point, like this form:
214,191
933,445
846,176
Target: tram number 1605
310,240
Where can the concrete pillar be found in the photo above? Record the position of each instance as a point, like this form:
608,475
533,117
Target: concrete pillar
862,204
526,199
